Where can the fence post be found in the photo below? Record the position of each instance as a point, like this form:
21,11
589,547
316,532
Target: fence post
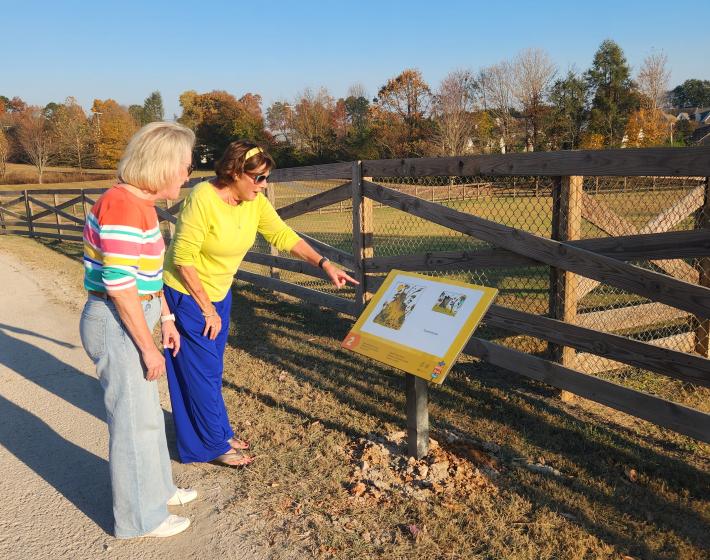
362,235
702,327
84,205
28,212
171,226
417,390
55,197
271,196
2,216
566,226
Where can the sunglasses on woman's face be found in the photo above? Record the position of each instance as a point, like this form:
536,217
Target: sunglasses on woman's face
258,179
190,169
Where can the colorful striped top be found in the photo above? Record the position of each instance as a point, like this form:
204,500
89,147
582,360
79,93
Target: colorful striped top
123,246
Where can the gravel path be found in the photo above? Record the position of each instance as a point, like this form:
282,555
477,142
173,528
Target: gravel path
55,495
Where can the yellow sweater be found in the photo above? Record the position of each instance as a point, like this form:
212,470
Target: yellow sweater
214,236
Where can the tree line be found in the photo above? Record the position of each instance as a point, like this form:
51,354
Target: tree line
523,104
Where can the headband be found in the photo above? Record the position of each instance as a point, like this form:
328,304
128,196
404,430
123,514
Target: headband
252,153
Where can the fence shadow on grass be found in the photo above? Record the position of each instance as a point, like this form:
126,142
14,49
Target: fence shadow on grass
596,458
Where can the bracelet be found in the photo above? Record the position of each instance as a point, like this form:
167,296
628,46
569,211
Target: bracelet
322,261
165,318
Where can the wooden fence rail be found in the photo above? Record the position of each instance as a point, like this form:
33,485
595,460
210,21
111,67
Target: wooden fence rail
682,292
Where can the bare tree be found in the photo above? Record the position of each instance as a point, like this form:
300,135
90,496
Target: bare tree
533,73
37,139
653,80
496,88
454,104
74,134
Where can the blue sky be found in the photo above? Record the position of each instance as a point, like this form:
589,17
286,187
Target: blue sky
125,50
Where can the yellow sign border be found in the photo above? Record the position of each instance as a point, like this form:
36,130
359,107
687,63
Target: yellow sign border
430,367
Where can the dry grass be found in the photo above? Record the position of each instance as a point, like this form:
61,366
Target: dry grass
625,487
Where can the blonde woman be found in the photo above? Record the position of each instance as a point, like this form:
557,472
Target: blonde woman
123,261
217,225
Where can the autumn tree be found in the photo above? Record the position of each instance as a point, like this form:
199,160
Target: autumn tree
278,118
568,114
647,127
403,121
532,72
614,94
113,126
218,118
653,80
312,125
453,109
37,139
4,152
75,140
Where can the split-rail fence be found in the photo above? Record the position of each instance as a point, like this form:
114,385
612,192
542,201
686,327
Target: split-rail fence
672,285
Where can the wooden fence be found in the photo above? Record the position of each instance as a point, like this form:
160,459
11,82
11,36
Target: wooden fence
577,265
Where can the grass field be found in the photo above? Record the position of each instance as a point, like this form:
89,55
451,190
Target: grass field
528,476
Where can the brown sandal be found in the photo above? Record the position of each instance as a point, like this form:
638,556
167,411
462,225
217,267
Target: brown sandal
233,460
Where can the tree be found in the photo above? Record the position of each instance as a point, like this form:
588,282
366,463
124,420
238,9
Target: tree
653,79
647,127
4,153
218,118
74,134
153,108
278,117
37,139
614,95
533,73
404,103
113,127
312,123
453,108
137,114
494,86
568,115
691,93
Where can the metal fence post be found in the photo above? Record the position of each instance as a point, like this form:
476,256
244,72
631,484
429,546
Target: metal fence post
417,390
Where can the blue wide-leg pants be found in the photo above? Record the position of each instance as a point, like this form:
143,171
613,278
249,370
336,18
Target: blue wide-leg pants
195,380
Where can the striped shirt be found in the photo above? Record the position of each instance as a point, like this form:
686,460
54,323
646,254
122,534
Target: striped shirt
123,247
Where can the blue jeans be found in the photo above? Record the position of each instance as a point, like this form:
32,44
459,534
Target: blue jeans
139,463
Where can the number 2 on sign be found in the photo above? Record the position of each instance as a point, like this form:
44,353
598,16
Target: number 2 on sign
351,340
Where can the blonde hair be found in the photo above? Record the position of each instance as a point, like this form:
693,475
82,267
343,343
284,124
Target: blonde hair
154,155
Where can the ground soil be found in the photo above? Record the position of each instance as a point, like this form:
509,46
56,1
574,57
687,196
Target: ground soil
55,495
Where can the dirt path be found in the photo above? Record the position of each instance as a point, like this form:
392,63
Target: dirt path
55,495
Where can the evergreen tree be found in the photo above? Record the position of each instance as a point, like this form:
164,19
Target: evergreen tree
568,116
691,93
153,108
614,94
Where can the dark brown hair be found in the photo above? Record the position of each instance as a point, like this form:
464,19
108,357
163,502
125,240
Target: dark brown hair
232,162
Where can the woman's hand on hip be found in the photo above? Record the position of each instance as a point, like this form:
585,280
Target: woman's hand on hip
213,324
171,337
154,363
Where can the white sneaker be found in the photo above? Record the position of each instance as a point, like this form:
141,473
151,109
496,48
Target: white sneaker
182,496
172,525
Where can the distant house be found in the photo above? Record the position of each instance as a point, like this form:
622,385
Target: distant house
701,136
703,115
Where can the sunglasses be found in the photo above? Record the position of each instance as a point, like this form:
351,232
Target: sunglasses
258,179
190,169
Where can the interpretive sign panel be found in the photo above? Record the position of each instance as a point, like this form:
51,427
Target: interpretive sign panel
419,323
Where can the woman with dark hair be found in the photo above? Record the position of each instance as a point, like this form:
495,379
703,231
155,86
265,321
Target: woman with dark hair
217,225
